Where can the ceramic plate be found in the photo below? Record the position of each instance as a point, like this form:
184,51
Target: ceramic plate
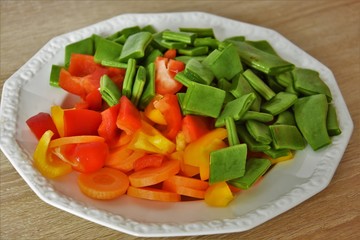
27,92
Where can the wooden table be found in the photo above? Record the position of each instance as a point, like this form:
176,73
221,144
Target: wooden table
327,30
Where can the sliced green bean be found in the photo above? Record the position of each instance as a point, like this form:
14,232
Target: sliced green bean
197,72
285,118
185,37
332,123
257,116
252,144
287,137
109,91
200,32
194,51
138,86
279,103
129,78
231,130
107,50
149,88
54,75
259,131
135,46
259,85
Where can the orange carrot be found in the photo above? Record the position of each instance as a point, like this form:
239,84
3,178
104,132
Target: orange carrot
105,184
123,159
154,175
153,194
186,186
185,169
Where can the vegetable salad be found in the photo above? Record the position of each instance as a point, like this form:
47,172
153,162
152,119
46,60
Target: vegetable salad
178,115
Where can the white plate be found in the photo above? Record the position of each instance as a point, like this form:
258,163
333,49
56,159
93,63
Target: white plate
27,92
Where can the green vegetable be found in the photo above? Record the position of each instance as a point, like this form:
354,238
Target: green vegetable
209,42
129,78
279,103
311,115
255,168
110,63
258,116
259,85
138,86
276,153
109,91
185,37
54,75
224,64
233,138
285,118
200,32
149,88
135,46
197,72
259,131
252,144
261,60
203,100
194,51
235,109
227,163
287,137
107,50
332,123
85,46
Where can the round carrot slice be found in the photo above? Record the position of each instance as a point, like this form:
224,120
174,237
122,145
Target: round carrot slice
185,191
153,194
154,175
105,184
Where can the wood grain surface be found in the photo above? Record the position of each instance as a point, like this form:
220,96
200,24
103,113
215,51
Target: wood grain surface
327,30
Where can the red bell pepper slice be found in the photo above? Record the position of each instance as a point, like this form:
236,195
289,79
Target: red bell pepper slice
149,160
129,118
40,123
171,53
169,107
194,127
108,129
165,71
81,122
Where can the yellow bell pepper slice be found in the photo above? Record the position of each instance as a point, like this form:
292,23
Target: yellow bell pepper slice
57,115
186,169
47,163
153,113
218,195
148,139
280,159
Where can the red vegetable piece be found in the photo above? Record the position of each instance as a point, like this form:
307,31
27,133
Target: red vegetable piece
129,118
81,122
169,107
108,129
194,127
164,75
40,123
149,160
171,53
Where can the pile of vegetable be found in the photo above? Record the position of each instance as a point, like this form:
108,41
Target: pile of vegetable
178,115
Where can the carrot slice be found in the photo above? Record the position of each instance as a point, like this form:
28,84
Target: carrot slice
186,186
105,184
123,158
154,175
153,194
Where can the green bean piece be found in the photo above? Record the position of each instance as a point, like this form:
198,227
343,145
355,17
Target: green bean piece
129,78
284,79
204,100
85,46
255,168
149,28
231,130
194,51
115,64
186,59
332,123
274,85
257,116
185,37
138,87
263,45
208,42
287,137
227,163
96,39
224,64
259,131
235,109
200,32
172,45
279,103
259,85
109,91
107,50
183,79
149,88
197,72
181,96
235,38
276,153
260,60
252,144
54,75
224,84
124,33
310,115
240,87
308,82
135,46
285,118
152,56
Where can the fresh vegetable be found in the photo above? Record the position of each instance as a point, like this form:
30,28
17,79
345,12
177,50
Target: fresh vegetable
178,115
